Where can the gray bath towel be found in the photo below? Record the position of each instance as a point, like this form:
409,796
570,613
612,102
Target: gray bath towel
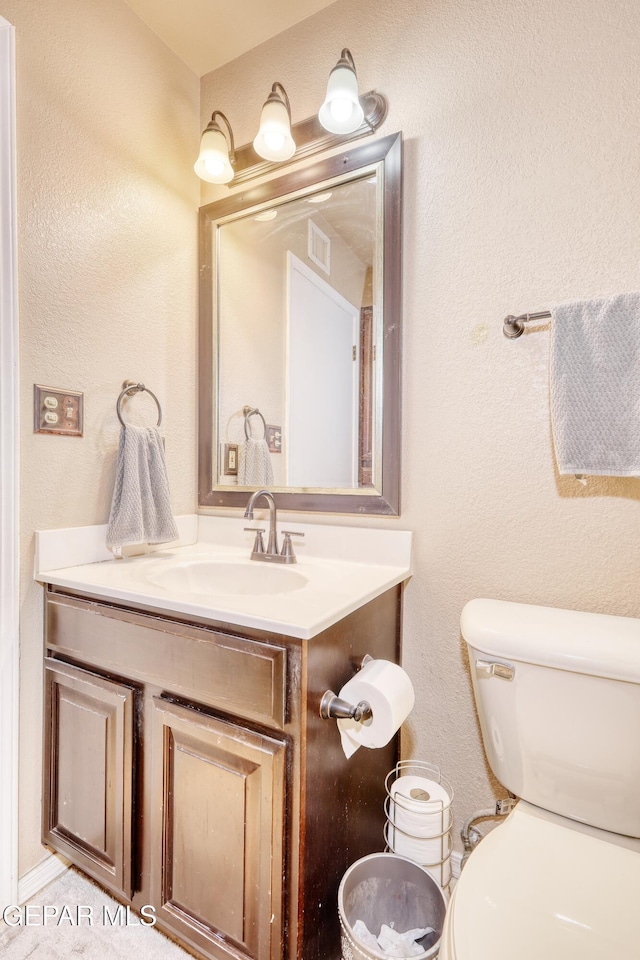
141,505
255,467
595,386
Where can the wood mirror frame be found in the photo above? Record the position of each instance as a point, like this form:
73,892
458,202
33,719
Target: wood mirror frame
385,500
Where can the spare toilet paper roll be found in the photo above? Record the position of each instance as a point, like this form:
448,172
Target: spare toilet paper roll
420,807
420,815
389,692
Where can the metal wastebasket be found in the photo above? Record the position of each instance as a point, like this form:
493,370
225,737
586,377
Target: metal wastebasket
385,887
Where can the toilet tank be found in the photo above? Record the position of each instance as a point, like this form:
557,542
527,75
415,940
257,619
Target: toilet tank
558,696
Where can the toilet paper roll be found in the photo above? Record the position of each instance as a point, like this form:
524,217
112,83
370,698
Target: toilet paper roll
420,816
420,807
389,691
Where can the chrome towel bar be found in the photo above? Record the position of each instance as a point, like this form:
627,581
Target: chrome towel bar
513,327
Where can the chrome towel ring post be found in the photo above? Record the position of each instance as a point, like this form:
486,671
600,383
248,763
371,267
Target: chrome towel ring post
252,412
130,388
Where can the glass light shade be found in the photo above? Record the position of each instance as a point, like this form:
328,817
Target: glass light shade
341,111
213,163
273,140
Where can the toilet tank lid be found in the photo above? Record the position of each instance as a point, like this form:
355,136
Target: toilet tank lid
597,644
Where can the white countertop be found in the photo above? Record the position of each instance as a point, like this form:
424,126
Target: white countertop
342,569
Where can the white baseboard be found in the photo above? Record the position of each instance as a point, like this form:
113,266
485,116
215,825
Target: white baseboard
456,864
39,876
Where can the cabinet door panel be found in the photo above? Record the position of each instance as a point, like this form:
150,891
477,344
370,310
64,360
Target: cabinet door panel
82,769
217,827
88,772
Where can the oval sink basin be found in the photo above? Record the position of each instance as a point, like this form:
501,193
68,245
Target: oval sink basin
249,578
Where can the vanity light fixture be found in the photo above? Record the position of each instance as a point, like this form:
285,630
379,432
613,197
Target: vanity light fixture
214,163
341,111
273,140
343,116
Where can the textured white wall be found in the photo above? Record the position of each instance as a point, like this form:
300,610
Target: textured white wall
521,126
521,129
107,130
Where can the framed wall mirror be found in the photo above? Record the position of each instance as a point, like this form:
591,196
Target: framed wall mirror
300,321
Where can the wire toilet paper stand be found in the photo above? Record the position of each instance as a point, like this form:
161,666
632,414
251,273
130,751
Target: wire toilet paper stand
420,817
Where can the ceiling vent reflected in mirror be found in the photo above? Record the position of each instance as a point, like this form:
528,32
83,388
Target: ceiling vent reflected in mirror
319,248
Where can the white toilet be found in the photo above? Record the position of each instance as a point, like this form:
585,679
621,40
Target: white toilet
558,696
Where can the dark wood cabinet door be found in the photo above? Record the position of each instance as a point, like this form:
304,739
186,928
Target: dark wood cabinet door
88,772
218,795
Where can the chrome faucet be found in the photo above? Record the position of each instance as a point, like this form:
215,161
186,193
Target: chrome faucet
272,554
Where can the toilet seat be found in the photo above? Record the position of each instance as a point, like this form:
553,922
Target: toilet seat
541,886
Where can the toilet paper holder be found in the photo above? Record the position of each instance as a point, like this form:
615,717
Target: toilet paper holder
332,707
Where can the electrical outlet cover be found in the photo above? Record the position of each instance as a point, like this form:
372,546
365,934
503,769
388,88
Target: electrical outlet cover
231,459
57,411
274,438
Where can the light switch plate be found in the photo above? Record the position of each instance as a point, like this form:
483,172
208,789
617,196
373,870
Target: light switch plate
57,411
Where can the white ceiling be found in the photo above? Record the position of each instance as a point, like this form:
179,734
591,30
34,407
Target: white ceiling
207,33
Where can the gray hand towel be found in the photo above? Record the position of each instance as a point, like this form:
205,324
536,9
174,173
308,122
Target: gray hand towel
255,467
595,386
141,505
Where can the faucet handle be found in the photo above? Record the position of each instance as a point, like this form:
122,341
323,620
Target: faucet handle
258,546
287,546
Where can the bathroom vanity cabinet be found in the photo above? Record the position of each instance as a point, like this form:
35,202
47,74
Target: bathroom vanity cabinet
187,767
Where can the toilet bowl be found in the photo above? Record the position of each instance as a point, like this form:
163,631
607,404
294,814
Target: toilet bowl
558,696
541,886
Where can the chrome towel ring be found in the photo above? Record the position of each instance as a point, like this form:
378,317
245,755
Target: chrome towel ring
130,388
252,412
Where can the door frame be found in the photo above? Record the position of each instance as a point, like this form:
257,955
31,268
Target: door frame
9,501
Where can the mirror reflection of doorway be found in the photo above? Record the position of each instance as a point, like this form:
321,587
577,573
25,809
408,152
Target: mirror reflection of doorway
322,405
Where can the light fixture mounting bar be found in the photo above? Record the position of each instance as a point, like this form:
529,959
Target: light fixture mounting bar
310,137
